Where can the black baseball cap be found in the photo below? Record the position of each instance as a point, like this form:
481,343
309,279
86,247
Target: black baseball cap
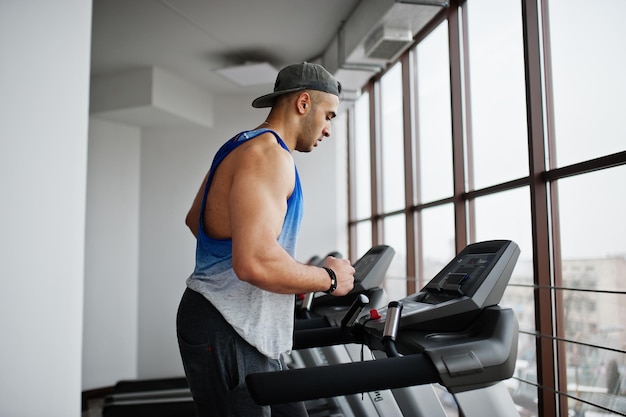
298,77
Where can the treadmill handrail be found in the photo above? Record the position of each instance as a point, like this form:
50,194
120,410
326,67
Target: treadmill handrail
318,337
462,365
344,379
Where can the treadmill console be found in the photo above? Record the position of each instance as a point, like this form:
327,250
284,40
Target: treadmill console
370,269
476,278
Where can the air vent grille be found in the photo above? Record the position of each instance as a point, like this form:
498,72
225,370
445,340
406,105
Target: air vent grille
387,44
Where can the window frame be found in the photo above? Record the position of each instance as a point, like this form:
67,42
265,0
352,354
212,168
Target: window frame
542,181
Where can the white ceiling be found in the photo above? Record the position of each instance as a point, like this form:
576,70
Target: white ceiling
155,62
193,38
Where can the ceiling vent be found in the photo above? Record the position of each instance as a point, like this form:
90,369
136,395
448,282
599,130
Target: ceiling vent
387,43
376,33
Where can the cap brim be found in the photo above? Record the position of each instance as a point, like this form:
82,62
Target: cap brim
268,99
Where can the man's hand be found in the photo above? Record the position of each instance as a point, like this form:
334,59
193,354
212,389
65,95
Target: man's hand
344,271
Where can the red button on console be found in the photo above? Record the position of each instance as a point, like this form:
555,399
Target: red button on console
374,314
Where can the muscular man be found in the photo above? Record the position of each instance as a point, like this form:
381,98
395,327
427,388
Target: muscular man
236,315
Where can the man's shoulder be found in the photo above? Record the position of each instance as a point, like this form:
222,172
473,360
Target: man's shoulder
266,146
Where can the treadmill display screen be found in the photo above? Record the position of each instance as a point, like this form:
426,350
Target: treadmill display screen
464,276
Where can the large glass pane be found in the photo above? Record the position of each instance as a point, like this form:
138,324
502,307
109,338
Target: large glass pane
522,300
593,268
596,377
497,91
392,145
583,408
438,241
588,55
363,238
506,215
362,172
434,121
592,220
587,316
395,236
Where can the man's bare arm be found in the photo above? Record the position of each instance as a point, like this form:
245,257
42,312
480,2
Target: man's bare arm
261,185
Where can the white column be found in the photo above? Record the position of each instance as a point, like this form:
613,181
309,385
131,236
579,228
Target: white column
44,93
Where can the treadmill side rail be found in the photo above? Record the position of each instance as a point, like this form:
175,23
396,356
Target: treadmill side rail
344,379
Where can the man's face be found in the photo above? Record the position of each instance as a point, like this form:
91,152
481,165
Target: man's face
317,121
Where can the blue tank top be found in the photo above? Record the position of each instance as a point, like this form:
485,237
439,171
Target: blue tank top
264,319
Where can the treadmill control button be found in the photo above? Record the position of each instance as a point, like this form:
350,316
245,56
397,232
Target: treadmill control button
374,314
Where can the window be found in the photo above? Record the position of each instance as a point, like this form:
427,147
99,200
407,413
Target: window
530,94
587,57
361,179
592,291
433,120
395,236
497,134
438,236
392,140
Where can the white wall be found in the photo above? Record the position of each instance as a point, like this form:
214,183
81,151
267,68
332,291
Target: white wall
44,85
173,163
111,254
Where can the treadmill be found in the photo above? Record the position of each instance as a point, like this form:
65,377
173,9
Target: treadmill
452,332
171,397
329,311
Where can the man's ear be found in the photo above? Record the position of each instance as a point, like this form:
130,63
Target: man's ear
304,102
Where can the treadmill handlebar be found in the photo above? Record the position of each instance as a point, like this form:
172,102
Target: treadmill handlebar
390,331
307,301
355,310
344,379
479,356
392,322
317,334
329,336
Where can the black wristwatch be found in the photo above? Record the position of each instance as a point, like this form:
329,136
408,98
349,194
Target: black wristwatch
333,280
